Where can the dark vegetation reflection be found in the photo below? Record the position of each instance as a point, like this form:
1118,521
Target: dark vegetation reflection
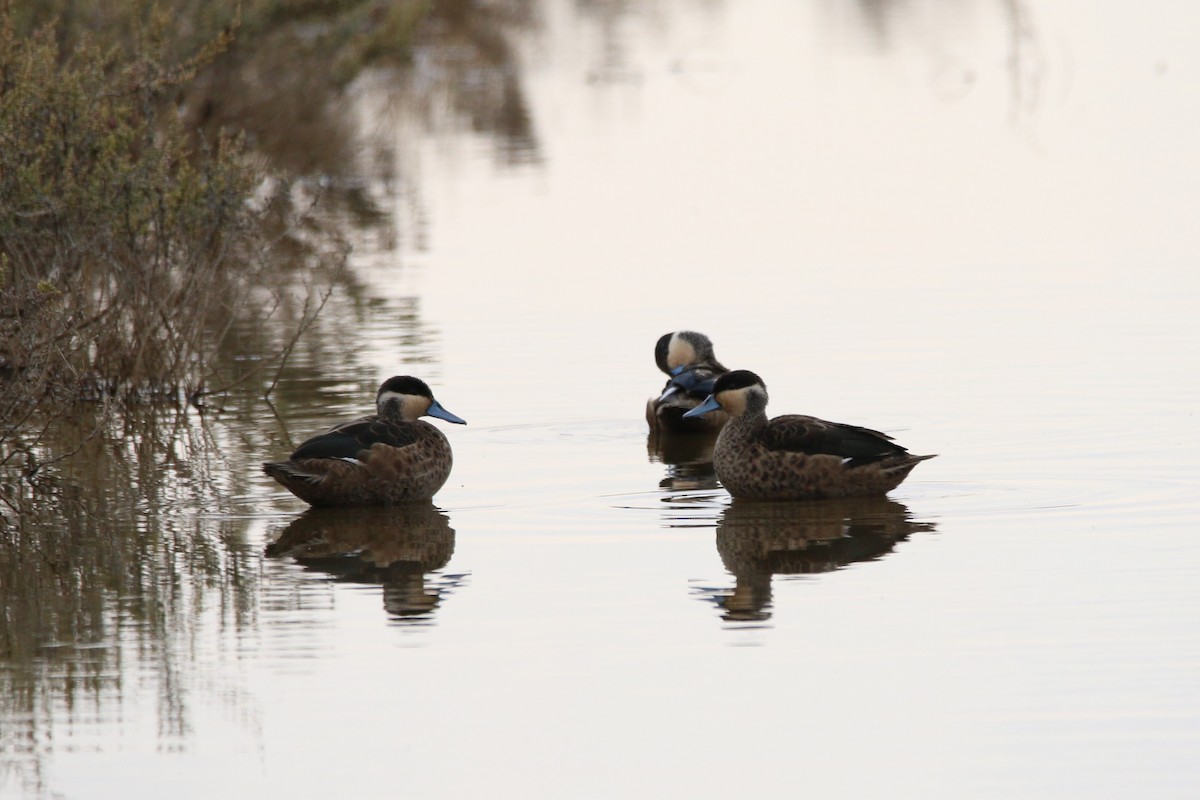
405,549
759,540
112,565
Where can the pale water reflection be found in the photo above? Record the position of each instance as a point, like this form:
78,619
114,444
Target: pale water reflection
866,202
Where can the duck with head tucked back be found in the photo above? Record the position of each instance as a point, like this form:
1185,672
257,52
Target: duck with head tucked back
795,457
688,360
387,458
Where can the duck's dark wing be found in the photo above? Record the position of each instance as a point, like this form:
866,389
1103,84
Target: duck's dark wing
349,439
695,382
810,435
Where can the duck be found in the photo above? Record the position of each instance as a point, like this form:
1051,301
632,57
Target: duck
795,457
688,360
387,458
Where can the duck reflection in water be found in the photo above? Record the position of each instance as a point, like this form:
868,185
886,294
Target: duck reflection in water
396,546
758,540
689,461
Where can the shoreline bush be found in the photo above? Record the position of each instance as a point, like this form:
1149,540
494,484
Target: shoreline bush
123,241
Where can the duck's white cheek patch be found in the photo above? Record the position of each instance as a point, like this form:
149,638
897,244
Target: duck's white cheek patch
390,397
680,352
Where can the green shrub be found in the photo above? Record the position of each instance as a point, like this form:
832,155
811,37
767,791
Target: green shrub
125,244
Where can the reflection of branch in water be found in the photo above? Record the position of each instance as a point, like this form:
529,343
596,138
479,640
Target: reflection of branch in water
610,61
465,75
757,540
1026,62
952,80
397,547
113,577
875,13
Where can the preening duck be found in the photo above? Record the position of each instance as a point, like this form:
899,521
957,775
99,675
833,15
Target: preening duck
688,360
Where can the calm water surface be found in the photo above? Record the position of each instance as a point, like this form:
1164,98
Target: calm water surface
970,225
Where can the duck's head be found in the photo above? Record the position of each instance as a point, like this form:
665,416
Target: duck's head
735,393
408,398
676,351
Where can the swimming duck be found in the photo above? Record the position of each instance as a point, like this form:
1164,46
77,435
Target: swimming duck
795,457
390,457
687,358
